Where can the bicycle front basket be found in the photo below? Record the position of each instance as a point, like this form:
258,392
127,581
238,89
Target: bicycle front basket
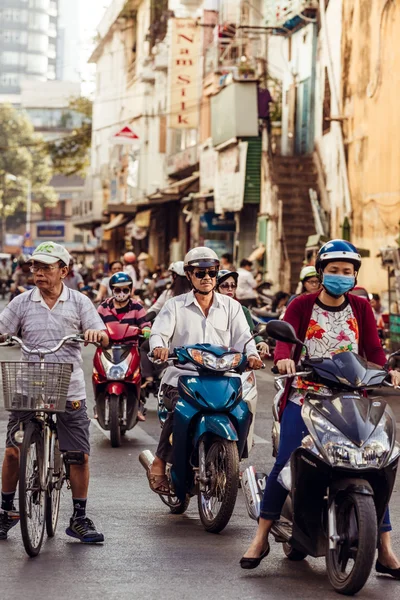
35,386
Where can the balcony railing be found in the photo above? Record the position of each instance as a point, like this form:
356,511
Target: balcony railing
288,13
238,55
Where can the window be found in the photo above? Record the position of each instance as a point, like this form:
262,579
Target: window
326,110
162,145
15,37
38,42
9,79
16,59
15,15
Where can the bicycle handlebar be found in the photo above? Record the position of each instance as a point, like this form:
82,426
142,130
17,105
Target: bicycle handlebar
44,351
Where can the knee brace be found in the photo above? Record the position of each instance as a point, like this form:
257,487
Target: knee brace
74,457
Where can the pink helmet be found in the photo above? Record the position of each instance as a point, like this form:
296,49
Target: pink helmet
129,257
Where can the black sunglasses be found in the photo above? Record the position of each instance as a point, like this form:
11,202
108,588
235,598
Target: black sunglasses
228,286
123,290
202,274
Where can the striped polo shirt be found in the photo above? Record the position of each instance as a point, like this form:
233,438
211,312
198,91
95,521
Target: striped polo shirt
132,314
39,327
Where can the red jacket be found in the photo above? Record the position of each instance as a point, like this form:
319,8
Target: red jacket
299,314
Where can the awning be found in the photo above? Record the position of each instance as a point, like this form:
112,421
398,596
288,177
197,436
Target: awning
142,219
117,221
175,191
183,184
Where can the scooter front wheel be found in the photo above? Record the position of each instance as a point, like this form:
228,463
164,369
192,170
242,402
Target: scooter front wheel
349,566
217,502
115,426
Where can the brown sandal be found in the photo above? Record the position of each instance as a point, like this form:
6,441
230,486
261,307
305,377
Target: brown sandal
159,484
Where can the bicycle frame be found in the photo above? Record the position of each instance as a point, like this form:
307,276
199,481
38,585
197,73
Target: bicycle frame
40,423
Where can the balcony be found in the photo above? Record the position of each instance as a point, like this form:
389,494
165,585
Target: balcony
288,14
237,55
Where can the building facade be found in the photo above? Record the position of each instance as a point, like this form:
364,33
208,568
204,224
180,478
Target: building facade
28,44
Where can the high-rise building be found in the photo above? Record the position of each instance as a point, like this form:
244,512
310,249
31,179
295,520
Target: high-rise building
38,41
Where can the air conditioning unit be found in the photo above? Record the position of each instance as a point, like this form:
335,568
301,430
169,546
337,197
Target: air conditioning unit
147,74
161,61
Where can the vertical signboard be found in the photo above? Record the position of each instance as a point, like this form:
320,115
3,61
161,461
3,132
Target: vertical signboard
184,74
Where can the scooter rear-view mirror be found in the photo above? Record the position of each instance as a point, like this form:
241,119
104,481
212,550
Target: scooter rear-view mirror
283,332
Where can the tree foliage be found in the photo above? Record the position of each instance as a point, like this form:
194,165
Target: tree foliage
70,155
23,156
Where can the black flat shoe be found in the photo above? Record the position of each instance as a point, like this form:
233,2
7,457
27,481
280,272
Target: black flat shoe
382,570
252,563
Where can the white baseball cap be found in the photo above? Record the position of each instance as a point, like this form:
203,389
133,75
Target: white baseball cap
50,253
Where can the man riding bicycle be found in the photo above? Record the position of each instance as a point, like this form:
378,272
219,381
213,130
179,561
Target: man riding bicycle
43,315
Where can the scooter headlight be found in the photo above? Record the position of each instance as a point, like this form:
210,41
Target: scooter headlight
342,452
226,362
115,372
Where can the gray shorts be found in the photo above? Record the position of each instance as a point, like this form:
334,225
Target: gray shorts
72,427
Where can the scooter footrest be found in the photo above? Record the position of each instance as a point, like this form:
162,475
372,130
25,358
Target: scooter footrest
282,531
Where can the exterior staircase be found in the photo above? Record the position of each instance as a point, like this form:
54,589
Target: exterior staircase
294,176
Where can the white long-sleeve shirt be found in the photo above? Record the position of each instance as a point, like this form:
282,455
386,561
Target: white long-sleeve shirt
246,285
181,322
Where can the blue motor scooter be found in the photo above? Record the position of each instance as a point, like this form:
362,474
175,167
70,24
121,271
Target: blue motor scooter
211,425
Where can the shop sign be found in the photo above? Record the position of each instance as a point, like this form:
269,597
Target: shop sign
125,136
213,222
13,239
184,74
394,328
220,247
50,231
231,177
208,168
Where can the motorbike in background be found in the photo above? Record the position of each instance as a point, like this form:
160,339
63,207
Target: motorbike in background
116,381
341,478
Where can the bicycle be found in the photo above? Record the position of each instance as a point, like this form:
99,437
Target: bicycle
39,388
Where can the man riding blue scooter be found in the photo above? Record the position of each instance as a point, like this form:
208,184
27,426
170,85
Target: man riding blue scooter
199,317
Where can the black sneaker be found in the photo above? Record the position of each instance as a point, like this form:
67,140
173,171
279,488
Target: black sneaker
8,519
83,529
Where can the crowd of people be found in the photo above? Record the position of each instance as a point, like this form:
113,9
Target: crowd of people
324,314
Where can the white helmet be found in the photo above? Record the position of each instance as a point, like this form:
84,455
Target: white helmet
307,272
177,267
201,257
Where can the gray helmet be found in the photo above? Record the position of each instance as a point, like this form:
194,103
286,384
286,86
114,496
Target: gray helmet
201,257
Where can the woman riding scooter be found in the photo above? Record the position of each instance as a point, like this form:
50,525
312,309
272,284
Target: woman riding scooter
227,285
329,321
121,307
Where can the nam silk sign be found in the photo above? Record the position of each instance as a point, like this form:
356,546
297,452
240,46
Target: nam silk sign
184,79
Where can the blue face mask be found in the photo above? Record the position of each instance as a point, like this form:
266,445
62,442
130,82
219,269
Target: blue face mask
337,285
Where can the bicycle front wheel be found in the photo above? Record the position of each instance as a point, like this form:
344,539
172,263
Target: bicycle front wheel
32,494
54,492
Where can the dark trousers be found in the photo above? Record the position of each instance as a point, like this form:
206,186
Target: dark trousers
293,430
170,398
146,366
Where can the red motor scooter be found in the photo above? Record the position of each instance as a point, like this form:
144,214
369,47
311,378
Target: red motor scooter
116,381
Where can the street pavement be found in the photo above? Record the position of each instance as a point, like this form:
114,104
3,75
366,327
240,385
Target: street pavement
149,553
